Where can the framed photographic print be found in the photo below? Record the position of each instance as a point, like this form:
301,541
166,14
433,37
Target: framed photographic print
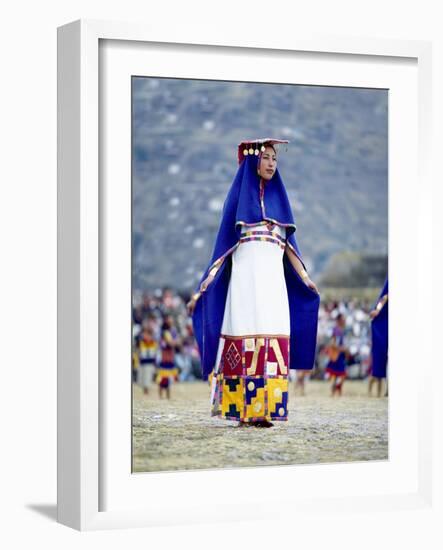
228,215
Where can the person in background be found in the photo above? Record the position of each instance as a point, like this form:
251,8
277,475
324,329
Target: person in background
137,315
147,352
147,305
168,302
336,367
167,371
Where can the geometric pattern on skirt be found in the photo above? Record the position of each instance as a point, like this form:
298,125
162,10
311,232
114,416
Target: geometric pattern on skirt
250,379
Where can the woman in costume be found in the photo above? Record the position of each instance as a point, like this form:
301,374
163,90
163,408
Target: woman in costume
336,367
379,327
255,313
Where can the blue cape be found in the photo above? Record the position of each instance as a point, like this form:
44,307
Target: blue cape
243,206
379,326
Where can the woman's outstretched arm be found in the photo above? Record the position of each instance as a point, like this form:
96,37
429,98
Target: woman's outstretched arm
382,301
204,285
298,266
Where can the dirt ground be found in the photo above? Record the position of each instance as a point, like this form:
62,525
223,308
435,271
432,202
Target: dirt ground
180,434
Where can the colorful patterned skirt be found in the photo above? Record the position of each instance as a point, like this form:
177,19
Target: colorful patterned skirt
250,382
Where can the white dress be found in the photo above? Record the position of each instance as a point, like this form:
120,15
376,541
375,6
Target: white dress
250,377
257,300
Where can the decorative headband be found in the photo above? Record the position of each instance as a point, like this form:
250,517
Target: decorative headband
255,146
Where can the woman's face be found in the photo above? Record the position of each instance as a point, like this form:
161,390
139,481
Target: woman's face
267,164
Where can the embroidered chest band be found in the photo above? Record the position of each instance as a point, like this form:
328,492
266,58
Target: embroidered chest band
267,236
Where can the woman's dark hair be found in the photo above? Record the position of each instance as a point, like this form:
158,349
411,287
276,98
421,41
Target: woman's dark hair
271,145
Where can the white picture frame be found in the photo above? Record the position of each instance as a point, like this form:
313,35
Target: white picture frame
83,397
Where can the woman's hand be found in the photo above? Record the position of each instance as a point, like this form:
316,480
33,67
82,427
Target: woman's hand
373,313
311,284
190,306
206,283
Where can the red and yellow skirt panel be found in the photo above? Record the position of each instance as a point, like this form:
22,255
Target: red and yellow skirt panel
250,379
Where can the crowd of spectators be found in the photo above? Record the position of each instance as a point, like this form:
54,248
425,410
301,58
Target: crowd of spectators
151,309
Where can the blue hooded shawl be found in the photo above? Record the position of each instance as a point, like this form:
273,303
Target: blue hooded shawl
243,206
379,326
